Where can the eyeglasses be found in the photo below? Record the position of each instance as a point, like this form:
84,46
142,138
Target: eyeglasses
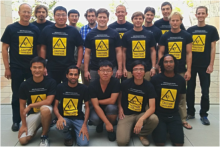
171,61
59,15
138,69
24,12
107,71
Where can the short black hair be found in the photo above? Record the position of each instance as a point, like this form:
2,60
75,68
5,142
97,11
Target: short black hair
102,10
166,3
137,62
59,8
89,11
73,11
151,9
105,63
72,67
38,59
162,66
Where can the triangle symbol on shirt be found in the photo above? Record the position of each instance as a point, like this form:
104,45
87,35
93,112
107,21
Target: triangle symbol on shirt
26,43
168,96
198,41
102,46
138,47
59,44
135,100
38,99
175,49
70,106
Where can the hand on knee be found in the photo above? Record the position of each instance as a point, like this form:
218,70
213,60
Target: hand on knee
83,143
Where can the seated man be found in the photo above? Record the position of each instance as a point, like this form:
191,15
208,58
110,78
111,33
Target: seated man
104,92
70,96
170,88
134,114
38,92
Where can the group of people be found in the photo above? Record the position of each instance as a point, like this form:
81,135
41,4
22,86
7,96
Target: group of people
134,75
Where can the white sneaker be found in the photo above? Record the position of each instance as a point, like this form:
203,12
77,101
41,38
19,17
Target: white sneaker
44,141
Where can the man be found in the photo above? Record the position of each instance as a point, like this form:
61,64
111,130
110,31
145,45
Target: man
21,37
70,96
90,16
139,44
178,43
104,43
170,87
203,52
163,23
104,92
58,42
38,93
41,13
135,94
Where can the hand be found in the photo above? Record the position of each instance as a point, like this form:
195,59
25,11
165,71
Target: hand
121,114
125,73
152,72
22,130
45,72
8,73
138,126
187,76
26,110
84,131
209,69
109,127
60,123
118,74
87,75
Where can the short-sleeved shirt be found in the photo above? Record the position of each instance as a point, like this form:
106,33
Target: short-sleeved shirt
35,92
175,44
168,90
23,44
71,100
164,25
136,97
60,46
138,46
102,44
121,28
41,26
156,32
201,46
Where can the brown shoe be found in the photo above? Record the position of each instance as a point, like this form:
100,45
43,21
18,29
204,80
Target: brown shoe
68,142
144,141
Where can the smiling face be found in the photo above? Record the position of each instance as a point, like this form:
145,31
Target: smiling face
91,18
41,14
72,76
102,20
25,13
60,17
149,16
201,14
105,73
138,21
166,11
138,72
121,13
37,69
73,18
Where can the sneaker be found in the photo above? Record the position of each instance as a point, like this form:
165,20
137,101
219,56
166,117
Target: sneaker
111,136
190,117
144,141
15,127
205,120
99,128
68,142
44,141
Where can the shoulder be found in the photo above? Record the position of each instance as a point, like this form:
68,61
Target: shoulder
156,28
158,21
112,24
185,33
49,80
110,30
49,22
147,83
127,82
156,77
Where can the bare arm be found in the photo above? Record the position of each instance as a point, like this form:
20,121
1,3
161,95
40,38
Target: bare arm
60,118
86,63
5,47
119,60
43,51
23,118
211,64
120,109
153,60
124,61
111,100
56,110
160,55
188,61
80,56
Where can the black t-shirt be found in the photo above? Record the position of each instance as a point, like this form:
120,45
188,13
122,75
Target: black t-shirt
102,44
42,25
168,90
23,44
156,32
121,28
136,97
201,46
164,25
175,44
60,43
138,46
35,92
71,100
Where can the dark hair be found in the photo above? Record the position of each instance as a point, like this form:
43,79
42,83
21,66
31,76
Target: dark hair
72,67
202,7
59,8
38,59
151,9
90,10
102,10
162,66
166,3
105,63
137,62
73,11
39,7
135,14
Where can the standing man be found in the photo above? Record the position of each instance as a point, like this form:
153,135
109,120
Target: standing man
41,13
178,43
58,41
203,48
163,23
139,44
21,37
90,16
104,43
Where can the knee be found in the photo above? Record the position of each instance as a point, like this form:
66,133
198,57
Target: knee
154,119
122,142
24,140
111,110
95,120
45,111
84,142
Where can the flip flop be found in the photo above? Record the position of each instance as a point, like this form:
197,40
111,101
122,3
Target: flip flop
186,125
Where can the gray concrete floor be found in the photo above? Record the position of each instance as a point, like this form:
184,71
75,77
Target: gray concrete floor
200,135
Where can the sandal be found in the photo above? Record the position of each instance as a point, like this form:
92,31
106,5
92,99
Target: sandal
187,126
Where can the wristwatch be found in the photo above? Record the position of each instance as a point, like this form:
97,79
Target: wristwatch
154,68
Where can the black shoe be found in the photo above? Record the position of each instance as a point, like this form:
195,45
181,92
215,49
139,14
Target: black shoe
15,127
111,136
90,123
205,120
99,128
190,117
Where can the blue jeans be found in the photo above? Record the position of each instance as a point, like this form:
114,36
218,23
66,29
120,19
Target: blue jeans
76,125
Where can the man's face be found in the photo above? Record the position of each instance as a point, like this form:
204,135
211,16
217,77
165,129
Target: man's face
105,73
37,69
41,14
138,72
25,13
168,64
175,22
73,18
149,16
102,19
138,21
121,13
91,18
166,11
73,76
60,17
201,14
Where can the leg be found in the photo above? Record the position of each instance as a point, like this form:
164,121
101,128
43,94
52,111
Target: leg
94,75
147,76
129,75
93,117
46,118
65,131
114,71
111,112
